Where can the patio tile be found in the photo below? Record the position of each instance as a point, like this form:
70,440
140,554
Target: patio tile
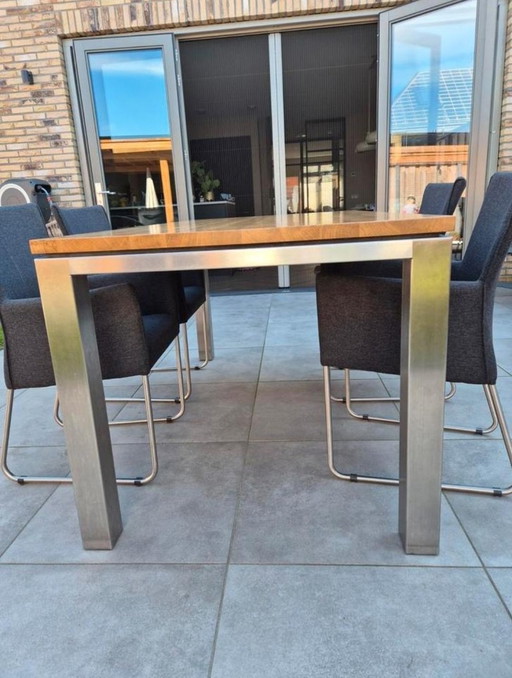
292,363
215,412
477,460
292,510
488,524
502,325
101,622
184,516
503,350
291,410
230,364
238,321
299,622
300,363
293,320
502,578
32,418
18,504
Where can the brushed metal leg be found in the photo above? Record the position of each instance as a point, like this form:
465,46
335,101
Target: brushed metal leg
71,334
425,299
205,328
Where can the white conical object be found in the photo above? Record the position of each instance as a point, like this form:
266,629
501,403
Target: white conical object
151,199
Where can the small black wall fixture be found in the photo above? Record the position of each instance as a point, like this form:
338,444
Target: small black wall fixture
26,77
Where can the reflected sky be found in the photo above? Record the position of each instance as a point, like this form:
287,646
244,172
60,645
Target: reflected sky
129,93
129,85
447,34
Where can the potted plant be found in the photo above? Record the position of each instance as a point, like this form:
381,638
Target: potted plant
204,183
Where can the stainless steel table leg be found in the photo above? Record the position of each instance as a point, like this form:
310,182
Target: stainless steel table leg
70,328
423,374
204,326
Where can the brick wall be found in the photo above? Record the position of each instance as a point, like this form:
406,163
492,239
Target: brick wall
37,137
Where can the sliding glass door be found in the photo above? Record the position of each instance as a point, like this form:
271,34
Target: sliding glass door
436,83
299,120
329,85
229,133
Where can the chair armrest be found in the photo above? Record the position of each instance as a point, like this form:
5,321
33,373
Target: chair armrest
156,292
119,330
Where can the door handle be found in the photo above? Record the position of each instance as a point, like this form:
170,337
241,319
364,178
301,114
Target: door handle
98,190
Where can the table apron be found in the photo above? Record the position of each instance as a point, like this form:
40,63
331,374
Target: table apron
191,259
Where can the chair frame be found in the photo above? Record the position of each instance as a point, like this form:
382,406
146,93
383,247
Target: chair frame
347,400
451,206
25,479
493,400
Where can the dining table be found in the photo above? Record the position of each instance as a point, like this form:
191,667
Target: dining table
420,241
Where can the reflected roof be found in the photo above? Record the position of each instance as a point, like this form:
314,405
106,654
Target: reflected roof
448,112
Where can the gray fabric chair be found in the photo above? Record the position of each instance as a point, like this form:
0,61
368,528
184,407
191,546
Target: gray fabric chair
153,290
191,284
359,318
438,198
129,341
442,198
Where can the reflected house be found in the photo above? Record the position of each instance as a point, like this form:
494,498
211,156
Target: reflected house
430,121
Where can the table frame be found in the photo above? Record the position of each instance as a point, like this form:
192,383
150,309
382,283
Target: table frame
68,315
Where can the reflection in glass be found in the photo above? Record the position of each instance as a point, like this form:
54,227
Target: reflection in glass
432,59
133,125
329,112
227,106
226,85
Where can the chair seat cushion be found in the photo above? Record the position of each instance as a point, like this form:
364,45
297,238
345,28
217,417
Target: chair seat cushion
129,343
359,320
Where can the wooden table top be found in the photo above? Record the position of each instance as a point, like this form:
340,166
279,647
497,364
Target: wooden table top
248,231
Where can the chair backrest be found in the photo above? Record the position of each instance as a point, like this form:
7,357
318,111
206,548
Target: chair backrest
18,225
442,198
492,233
81,220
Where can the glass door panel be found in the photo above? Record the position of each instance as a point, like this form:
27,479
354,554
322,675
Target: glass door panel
126,87
226,92
329,82
132,119
431,68
329,88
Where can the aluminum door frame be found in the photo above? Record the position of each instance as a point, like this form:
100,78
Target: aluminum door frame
486,104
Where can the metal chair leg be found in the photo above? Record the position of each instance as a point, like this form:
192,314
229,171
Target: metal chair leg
202,311
23,480
125,422
384,399
188,368
180,400
496,410
348,400
186,360
204,324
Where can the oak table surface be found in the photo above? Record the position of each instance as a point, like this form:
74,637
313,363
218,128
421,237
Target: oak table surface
245,231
